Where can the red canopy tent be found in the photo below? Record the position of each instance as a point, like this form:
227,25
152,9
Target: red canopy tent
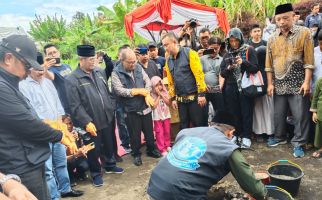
154,15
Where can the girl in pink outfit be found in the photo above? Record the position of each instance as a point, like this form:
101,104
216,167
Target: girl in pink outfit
161,114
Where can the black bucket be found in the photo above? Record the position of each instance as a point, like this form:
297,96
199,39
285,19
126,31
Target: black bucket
286,175
278,193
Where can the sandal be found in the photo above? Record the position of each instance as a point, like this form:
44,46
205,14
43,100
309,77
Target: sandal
317,154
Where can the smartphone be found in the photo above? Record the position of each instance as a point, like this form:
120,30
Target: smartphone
142,51
56,59
208,51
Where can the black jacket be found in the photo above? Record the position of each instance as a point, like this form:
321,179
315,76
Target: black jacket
90,99
24,138
152,69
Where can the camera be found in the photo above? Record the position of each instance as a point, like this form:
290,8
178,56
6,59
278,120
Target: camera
230,60
83,134
193,23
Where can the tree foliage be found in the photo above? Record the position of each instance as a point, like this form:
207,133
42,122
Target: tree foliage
106,30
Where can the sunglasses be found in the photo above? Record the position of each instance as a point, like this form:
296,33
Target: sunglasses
23,61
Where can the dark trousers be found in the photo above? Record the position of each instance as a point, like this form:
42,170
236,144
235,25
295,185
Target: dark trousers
81,166
217,101
137,124
247,109
104,145
35,181
299,107
232,103
192,113
241,107
122,128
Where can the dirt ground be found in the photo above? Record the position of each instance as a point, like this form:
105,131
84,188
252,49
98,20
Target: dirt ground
131,185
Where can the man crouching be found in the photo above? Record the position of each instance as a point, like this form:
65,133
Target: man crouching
200,158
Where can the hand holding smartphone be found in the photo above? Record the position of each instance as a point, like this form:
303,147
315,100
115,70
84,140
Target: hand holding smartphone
57,60
208,51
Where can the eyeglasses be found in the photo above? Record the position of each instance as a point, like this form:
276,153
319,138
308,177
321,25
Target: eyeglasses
23,61
131,63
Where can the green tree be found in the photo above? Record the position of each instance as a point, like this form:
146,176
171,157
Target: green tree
48,29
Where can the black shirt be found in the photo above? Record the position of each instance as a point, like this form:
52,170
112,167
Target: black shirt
256,45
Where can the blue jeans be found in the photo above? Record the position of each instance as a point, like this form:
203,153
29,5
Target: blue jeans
56,170
122,128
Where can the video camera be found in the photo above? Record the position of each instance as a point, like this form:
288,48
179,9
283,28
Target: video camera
193,23
83,134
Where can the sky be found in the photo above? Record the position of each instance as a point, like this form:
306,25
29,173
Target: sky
15,13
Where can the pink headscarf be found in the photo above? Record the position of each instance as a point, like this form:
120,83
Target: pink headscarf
155,80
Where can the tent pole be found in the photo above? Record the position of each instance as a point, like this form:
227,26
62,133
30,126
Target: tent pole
150,33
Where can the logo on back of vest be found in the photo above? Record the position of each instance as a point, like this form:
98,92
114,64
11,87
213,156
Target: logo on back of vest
185,153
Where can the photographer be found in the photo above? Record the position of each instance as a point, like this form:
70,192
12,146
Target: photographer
145,62
211,61
204,35
77,160
234,64
190,28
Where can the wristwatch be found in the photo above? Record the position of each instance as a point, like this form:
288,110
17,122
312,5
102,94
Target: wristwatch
8,177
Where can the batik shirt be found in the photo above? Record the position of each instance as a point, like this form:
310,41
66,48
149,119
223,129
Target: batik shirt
288,57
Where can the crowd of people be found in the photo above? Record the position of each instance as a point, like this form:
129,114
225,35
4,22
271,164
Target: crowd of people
57,124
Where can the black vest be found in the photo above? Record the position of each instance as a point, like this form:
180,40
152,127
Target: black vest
197,161
136,103
184,80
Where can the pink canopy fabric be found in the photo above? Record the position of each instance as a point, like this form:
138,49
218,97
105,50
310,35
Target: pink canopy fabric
155,15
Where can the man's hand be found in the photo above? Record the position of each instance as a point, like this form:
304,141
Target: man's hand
315,117
270,89
200,52
305,89
48,62
174,105
239,60
139,91
91,128
202,101
16,191
149,101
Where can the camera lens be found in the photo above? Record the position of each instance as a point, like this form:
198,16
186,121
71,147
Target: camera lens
193,24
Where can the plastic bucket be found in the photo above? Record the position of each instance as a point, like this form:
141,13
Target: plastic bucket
278,193
286,174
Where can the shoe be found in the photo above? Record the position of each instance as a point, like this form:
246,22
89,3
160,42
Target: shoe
234,139
137,161
73,183
298,152
246,143
118,158
114,170
127,150
154,154
97,181
272,142
72,193
82,177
